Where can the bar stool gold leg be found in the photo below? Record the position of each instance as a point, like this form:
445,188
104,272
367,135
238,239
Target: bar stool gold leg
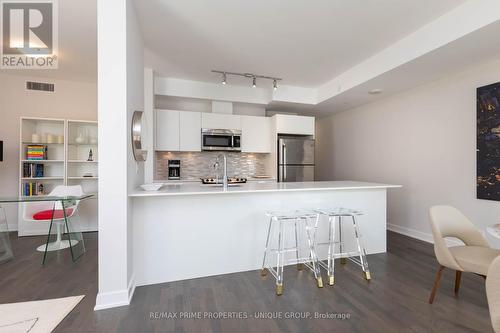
313,257
263,272
279,289
361,250
280,258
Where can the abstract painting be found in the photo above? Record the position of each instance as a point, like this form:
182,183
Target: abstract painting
488,142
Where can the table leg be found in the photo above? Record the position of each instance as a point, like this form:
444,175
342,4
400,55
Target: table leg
6,253
48,235
76,243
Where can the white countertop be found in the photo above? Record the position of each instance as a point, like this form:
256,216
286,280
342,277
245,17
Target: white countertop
256,187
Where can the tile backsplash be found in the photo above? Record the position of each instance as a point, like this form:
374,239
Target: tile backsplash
195,165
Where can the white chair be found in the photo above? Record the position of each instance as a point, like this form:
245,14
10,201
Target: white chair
473,257
32,208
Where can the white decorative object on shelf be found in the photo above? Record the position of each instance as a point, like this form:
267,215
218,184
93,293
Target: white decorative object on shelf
80,139
151,186
35,138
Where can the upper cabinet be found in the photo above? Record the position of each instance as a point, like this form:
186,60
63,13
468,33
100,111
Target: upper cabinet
256,134
181,130
177,130
167,130
290,124
190,131
220,121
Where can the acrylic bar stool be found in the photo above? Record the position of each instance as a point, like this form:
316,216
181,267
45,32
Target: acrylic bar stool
300,221
336,216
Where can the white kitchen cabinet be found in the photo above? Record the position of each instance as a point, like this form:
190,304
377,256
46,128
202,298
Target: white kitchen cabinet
256,134
190,131
220,121
290,124
167,130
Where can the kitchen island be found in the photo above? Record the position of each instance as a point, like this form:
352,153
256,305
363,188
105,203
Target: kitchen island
190,230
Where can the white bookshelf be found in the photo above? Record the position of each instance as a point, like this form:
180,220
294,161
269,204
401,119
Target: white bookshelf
68,144
82,138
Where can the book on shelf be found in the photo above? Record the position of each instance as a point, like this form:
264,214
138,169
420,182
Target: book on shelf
33,170
33,189
36,152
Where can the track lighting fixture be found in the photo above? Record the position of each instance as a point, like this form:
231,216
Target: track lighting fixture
249,75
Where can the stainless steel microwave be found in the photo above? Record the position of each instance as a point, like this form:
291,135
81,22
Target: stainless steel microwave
220,139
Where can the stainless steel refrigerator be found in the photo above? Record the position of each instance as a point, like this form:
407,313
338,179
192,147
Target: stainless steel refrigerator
295,159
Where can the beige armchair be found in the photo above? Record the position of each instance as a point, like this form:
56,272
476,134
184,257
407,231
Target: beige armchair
474,257
493,293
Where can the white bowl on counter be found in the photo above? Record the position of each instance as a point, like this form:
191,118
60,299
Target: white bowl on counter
151,186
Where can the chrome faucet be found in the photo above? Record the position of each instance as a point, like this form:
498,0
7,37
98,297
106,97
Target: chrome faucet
224,177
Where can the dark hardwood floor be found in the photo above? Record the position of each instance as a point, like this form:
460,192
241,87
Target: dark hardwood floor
394,301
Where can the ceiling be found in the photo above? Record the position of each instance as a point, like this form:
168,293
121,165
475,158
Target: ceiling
77,44
479,47
305,44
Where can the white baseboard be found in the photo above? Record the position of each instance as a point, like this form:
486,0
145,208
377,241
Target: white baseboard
115,298
423,236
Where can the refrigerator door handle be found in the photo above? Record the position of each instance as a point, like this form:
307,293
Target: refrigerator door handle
283,149
284,161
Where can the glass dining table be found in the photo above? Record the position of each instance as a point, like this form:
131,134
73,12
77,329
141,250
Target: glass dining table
64,214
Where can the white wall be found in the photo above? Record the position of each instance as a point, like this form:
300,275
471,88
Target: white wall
423,139
120,92
135,102
73,100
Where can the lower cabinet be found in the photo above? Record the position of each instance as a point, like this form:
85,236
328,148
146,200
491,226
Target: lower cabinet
256,134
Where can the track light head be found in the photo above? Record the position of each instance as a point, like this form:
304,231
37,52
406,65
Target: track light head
254,82
224,78
275,84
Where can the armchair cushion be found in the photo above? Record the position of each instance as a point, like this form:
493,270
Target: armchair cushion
475,259
47,214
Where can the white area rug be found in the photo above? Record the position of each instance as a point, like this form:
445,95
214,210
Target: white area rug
37,316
